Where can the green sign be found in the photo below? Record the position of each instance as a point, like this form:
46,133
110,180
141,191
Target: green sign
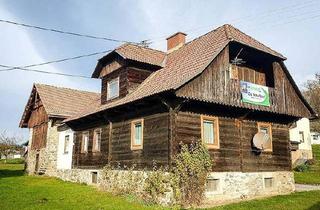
254,94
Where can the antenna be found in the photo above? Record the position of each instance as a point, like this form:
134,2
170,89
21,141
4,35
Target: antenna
238,61
145,43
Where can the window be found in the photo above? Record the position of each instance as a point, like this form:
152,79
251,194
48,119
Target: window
94,177
66,144
266,129
212,185
210,131
301,136
96,140
85,142
137,134
268,182
113,89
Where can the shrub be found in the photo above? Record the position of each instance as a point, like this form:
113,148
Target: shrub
192,166
302,168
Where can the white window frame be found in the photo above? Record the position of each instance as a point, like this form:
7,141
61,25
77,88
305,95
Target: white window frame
117,81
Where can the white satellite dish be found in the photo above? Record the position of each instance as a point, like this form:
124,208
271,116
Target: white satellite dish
260,140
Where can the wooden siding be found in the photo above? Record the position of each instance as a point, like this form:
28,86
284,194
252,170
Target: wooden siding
235,153
129,79
91,159
211,86
118,150
38,121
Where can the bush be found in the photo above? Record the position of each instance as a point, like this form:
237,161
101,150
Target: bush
192,166
302,168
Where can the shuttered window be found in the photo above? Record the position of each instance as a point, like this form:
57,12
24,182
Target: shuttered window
210,131
137,134
85,142
113,89
96,140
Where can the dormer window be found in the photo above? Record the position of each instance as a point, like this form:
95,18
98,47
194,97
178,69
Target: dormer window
113,89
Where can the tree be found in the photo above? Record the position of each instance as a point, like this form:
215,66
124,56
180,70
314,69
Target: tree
312,95
7,144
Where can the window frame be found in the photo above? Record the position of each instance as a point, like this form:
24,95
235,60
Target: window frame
215,120
83,150
66,146
301,140
133,132
94,142
269,126
117,80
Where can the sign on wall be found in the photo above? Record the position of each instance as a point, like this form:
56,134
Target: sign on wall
254,94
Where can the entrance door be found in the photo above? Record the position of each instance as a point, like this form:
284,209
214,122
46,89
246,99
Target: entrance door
36,168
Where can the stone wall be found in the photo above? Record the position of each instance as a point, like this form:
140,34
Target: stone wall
234,186
231,186
47,155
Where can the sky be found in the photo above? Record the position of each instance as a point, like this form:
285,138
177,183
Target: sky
290,27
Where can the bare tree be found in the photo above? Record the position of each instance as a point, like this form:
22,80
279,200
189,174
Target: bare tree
7,144
312,95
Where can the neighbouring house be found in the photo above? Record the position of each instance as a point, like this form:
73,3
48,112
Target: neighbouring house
49,148
300,138
224,88
315,138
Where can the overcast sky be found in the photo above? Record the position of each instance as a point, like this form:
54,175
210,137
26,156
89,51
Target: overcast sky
289,27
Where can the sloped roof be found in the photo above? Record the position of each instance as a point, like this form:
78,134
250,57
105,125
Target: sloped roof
61,102
184,64
141,54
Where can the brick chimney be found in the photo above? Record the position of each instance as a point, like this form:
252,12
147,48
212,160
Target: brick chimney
176,41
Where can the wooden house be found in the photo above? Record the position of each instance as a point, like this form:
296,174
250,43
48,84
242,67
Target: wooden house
222,88
46,108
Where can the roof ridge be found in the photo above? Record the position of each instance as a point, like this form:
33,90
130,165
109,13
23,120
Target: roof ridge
136,45
67,88
197,38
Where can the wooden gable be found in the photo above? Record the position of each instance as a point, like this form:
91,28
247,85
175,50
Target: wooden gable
213,86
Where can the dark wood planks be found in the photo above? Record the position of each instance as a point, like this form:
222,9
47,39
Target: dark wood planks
211,86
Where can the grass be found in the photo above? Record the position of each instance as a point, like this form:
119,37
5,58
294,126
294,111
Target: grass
312,176
33,192
12,161
18,191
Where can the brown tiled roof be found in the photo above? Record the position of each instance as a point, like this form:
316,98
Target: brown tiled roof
62,102
184,64
141,54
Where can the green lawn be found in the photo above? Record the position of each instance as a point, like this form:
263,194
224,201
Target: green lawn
31,192
313,175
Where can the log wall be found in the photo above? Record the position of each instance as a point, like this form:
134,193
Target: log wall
118,150
235,152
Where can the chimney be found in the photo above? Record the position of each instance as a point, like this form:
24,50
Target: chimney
176,41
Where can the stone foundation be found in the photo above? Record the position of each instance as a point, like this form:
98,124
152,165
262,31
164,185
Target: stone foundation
234,186
230,186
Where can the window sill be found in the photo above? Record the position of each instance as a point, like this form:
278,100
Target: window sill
136,148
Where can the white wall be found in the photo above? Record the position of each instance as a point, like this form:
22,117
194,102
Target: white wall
302,125
315,138
64,160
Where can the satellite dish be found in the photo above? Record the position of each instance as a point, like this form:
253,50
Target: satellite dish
260,140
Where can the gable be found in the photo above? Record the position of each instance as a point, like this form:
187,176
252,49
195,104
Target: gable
213,86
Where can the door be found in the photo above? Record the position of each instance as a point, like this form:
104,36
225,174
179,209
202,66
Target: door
36,168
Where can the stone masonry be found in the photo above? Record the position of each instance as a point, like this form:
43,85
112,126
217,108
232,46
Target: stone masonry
47,155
